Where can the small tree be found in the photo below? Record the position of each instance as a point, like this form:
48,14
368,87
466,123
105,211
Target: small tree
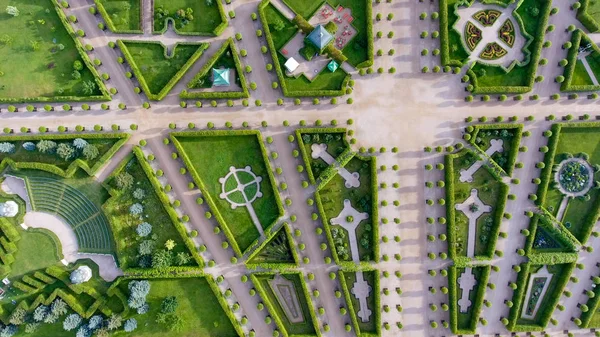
71,322
12,10
130,325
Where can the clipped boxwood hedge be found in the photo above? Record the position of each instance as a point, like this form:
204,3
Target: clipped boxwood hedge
585,18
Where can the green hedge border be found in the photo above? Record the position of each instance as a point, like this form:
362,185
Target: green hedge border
86,60
376,310
274,265
208,67
271,306
537,45
200,183
564,236
175,79
477,306
301,146
111,25
76,164
566,86
547,310
585,18
512,156
279,71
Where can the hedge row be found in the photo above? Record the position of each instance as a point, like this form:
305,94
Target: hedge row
450,200
566,86
286,91
546,173
111,25
558,232
512,156
585,18
498,216
351,310
279,322
444,37
477,306
208,67
592,305
167,205
76,164
536,52
302,146
174,80
274,265
200,183
550,300
370,49
86,60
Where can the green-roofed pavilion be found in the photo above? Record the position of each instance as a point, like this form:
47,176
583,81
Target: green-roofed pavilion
320,37
332,66
220,77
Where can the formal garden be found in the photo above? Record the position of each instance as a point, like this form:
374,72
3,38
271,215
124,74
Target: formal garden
189,17
286,296
47,63
278,31
582,68
121,16
238,185
156,70
567,188
464,318
346,184
507,64
366,320
481,136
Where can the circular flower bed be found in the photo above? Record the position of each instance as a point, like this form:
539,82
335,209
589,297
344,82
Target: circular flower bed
574,177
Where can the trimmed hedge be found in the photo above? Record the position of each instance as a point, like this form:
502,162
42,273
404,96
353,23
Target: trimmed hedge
305,155
536,52
111,25
545,312
512,156
208,67
351,311
566,86
216,32
76,164
174,80
286,91
201,185
271,306
585,18
444,36
477,305
592,305
86,60
558,232
370,49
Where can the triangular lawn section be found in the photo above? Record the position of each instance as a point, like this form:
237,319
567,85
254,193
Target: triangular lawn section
547,236
576,77
226,57
157,211
276,251
156,70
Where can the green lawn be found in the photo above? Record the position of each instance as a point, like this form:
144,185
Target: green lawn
333,196
304,8
155,65
594,62
580,75
211,156
31,64
198,307
371,325
579,213
489,191
124,14
124,225
205,17
36,250
304,328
